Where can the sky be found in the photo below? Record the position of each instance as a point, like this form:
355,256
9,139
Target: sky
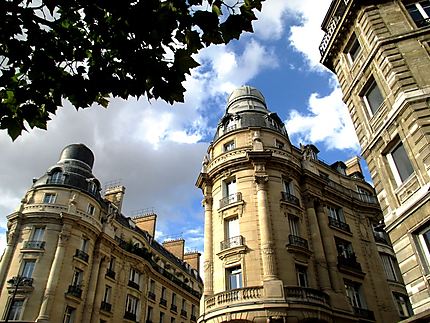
155,150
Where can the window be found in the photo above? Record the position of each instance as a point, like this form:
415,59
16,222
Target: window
279,144
163,292
69,315
92,187
77,277
353,292
424,245
174,299
90,209
38,234
172,320
85,244
161,317
134,276
49,198
419,12
293,222
112,263
132,305
193,310
302,277
184,305
230,187
149,314
403,305
108,291
400,163
229,146
336,213
27,268
234,277
390,267
344,249
353,49
15,309
152,286
232,228
288,187
372,96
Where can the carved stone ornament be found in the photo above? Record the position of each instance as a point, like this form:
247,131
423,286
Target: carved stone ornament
207,200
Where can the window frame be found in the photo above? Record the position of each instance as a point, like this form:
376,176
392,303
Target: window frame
132,303
229,146
69,314
38,234
336,213
352,44
390,266
371,85
14,314
394,164
355,295
302,276
236,273
49,198
423,14
134,276
24,267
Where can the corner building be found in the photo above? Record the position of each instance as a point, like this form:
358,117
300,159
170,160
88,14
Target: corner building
289,238
380,53
72,256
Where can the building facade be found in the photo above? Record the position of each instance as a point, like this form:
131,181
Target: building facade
288,237
380,53
72,256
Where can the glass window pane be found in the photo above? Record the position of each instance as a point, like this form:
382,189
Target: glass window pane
403,165
374,97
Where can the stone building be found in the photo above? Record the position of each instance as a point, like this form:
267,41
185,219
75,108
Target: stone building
379,51
289,238
72,256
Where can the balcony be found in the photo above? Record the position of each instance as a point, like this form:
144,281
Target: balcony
350,262
34,245
297,241
239,295
82,255
193,318
381,237
184,313
232,242
110,273
232,198
364,313
151,295
21,284
130,316
105,306
338,224
75,291
307,295
174,308
290,198
132,284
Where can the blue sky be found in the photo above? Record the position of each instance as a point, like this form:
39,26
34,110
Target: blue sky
156,149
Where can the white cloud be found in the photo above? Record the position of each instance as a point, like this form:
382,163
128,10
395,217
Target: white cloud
326,121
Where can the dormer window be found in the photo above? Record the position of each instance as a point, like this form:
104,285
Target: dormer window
57,177
92,187
229,146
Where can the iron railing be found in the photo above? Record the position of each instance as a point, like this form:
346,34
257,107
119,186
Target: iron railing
163,301
338,224
75,290
232,198
290,198
184,313
110,273
232,242
193,318
306,294
132,284
364,313
174,308
151,295
297,241
21,281
105,306
130,316
33,244
82,255
349,261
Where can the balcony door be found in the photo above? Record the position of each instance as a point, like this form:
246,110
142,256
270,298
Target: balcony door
232,232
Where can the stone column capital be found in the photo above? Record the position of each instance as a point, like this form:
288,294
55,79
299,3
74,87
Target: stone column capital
261,180
207,201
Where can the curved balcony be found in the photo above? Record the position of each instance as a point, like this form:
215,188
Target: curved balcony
82,255
306,295
232,242
338,224
239,295
34,245
231,199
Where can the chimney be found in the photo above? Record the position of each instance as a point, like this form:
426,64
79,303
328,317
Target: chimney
146,222
115,195
193,258
176,247
353,166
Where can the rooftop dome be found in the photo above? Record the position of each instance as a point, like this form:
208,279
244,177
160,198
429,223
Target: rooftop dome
78,152
246,98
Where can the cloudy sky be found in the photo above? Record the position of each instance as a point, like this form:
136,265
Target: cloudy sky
156,150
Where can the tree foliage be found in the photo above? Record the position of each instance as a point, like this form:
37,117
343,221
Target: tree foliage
87,51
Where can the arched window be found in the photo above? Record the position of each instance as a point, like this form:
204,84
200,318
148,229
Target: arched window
57,177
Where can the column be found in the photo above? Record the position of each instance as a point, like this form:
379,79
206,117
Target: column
96,292
329,247
54,275
317,245
7,256
266,243
208,244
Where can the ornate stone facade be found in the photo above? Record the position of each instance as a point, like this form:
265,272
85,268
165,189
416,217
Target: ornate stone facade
380,53
73,257
289,238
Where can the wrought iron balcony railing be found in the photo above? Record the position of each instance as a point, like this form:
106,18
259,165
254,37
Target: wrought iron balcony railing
105,306
338,224
174,308
307,295
163,301
349,261
364,313
82,255
297,241
75,290
184,313
110,273
21,281
151,295
132,284
232,242
193,318
33,244
232,198
130,316
290,198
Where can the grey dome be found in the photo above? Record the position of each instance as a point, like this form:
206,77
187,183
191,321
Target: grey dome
246,98
78,152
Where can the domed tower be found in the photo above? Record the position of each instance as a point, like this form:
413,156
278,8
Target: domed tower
287,237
